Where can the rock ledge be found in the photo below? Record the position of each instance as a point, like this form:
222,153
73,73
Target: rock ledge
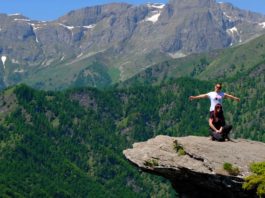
198,173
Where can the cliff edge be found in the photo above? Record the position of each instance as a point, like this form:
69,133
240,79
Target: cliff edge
195,165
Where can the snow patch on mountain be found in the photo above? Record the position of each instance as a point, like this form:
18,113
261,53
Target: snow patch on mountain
89,26
68,27
154,18
72,27
18,70
156,5
177,54
3,59
36,26
15,14
15,61
79,55
22,20
232,30
262,24
234,33
227,16
155,13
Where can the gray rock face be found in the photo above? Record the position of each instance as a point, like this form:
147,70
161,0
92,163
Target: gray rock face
129,35
200,172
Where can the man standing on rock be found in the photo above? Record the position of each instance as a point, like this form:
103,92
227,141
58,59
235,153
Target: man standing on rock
216,96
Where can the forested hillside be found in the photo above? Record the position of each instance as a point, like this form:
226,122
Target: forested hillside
53,147
69,144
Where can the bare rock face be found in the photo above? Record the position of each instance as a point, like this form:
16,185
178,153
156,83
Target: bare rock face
199,172
120,36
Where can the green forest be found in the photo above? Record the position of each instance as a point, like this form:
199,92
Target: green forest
70,143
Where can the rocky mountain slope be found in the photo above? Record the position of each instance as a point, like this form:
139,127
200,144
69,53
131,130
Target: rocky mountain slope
199,171
235,62
99,45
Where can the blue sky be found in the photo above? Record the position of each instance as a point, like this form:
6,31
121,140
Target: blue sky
52,9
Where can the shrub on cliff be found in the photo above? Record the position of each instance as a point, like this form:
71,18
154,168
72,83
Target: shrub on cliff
232,170
257,180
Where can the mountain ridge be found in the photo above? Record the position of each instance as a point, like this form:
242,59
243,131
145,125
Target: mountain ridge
124,38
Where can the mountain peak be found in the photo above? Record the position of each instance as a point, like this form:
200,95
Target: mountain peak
137,36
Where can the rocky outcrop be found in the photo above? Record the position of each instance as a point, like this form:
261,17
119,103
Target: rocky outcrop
200,171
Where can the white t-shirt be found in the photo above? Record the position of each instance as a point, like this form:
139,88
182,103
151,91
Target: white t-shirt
215,98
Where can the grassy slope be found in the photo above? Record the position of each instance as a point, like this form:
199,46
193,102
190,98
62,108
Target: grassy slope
113,67
207,66
236,60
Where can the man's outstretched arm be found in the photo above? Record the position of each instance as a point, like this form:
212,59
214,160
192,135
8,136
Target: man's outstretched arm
198,97
232,97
